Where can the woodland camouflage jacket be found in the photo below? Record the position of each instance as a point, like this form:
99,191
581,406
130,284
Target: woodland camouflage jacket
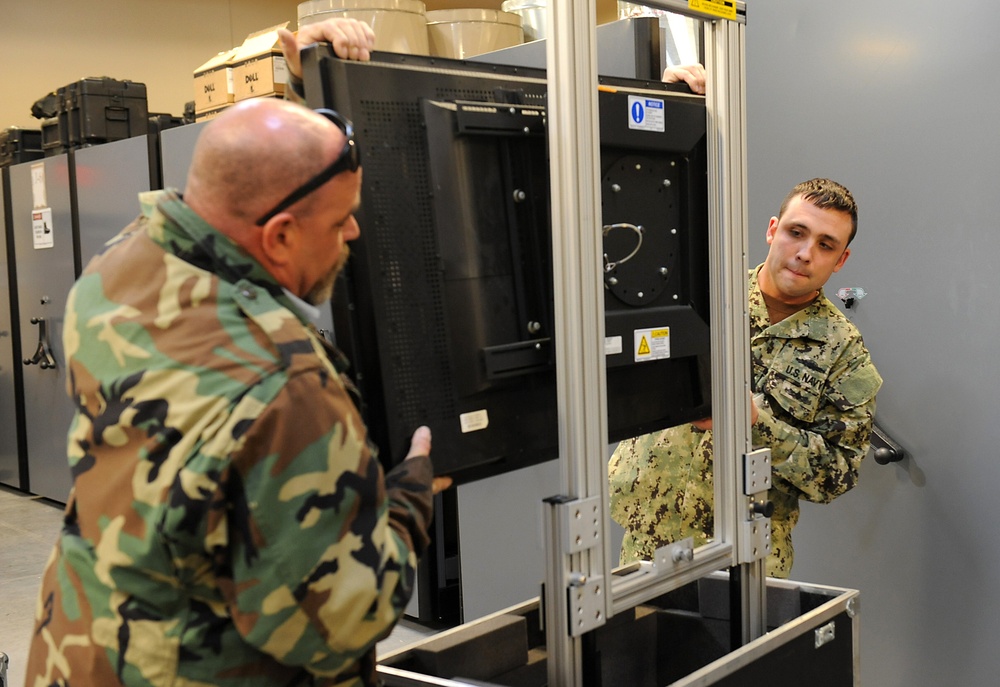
228,523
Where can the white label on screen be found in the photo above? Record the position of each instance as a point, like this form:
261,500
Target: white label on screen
474,421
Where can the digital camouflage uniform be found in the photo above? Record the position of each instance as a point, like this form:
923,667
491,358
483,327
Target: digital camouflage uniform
815,386
228,524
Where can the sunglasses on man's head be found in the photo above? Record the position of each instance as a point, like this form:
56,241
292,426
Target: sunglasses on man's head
349,159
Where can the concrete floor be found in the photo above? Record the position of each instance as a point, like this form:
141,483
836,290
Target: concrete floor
28,529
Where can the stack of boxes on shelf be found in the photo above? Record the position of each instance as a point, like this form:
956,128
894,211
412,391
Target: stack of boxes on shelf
252,70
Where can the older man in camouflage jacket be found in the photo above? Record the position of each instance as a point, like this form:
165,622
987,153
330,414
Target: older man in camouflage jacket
229,523
814,390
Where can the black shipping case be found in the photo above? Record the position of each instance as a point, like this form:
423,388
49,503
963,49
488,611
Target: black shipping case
92,111
19,145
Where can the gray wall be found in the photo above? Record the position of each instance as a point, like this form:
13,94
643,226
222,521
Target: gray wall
899,102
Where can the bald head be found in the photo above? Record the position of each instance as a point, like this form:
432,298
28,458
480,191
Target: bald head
252,156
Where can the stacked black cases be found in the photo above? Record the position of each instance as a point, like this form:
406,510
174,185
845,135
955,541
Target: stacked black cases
92,111
19,145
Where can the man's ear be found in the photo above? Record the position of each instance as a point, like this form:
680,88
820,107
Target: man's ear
843,258
279,238
772,227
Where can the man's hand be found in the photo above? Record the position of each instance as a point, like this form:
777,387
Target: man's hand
420,445
705,424
691,74
351,40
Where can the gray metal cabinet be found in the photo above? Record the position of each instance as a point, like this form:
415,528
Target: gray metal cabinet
42,224
63,209
13,472
176,147
109,179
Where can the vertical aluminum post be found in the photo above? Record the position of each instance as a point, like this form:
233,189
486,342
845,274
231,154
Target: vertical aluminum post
726,104
575,573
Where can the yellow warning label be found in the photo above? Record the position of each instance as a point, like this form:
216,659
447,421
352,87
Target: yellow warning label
651,344
717,8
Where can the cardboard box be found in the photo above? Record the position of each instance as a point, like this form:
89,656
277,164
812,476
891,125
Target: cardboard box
213,82
258,65
211,114
607,10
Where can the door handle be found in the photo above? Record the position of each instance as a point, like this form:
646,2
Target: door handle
43,353
886,450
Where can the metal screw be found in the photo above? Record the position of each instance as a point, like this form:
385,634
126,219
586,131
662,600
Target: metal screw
534,327
616,188
683,555
519,196
666,183
613,281
663,271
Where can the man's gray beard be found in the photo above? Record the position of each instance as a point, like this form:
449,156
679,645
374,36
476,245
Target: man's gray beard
322,292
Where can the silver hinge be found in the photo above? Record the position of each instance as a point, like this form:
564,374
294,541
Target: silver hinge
755,542
586,604
583,524
757,471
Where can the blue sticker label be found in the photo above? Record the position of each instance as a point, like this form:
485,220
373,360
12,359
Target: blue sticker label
646,114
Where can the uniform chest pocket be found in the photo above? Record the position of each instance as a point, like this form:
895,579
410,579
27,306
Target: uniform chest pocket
796,390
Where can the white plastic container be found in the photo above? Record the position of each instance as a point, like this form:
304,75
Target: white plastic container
399,25
533,19
465,33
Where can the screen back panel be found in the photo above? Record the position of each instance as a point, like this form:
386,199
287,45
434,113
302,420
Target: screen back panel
446,306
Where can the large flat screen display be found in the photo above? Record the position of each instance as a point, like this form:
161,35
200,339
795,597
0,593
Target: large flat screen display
446,308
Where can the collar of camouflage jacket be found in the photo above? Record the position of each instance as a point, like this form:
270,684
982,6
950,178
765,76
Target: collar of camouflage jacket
180,231
812,322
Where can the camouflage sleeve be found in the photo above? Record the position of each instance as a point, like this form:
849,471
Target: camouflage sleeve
321,559
410,500
818,437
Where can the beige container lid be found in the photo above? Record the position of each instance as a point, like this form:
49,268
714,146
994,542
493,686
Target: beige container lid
512,5
399,25
308,9
473,14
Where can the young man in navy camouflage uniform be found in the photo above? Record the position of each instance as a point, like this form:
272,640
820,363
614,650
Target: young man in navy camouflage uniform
229,523
814,389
